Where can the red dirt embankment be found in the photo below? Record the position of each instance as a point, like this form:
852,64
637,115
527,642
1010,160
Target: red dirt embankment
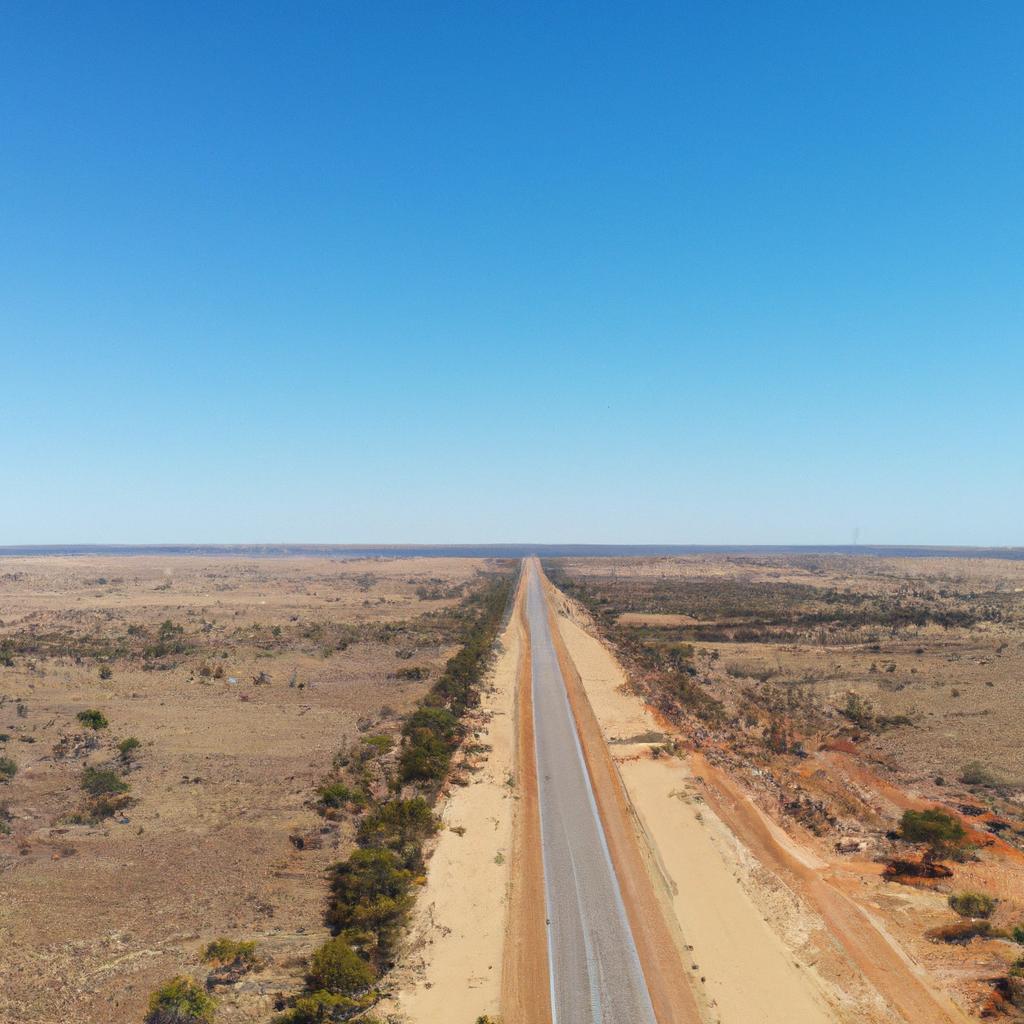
904,986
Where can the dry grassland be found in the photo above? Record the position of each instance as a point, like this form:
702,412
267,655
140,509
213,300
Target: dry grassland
240,679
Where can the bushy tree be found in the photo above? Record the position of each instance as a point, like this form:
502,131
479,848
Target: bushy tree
337,968
180,1001
939,832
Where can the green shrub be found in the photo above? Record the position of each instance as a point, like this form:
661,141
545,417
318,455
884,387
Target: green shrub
106,672
399,825
426,760
8,769
180,1001
227,951
381,743
337,794
432,721
126,746
318,1007
974,773
101,782
1018,934
940,832
370,892
972,904
93,719
337,968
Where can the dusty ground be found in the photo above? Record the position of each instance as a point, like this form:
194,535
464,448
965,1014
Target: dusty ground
839,692
94,916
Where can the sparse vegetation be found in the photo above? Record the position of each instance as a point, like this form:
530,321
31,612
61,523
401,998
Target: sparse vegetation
972,904
181,1001
940,833
93,719
8,769
102,782
226,951
974,773
128,745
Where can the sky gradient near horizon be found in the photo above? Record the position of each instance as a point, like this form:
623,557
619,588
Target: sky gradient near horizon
712,272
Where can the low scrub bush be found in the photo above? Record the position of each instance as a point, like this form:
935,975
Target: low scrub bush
338,794
972,904
93,719
127,745
318,1007
401,826
226,951
974,773
963,931
180,1001
370,894
99,782
8,769
337,968
941,833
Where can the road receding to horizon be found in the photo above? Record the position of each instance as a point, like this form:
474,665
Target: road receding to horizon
595,968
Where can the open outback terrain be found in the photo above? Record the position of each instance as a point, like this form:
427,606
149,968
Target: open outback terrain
174,732
841,693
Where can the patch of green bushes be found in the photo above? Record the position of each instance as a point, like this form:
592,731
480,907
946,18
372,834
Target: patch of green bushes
401,826
127,745
337,968
941,833
93,719
972,904
8,769
227,951
102,782
180,1001
338,794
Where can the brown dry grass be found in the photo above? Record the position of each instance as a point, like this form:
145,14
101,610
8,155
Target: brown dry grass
95,916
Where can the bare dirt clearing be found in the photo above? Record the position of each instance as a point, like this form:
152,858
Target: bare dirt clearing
266,669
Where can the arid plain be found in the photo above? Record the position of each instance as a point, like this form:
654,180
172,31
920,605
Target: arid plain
241,680
765,723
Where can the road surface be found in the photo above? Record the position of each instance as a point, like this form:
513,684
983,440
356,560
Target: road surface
595,971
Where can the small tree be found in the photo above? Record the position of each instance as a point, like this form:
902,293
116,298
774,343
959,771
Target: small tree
93,719
180,1001
8,769
941,834
337,968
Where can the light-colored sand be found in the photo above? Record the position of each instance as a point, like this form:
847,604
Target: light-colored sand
750,976
451,969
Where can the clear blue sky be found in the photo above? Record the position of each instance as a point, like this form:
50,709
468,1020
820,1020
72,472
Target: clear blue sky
686,273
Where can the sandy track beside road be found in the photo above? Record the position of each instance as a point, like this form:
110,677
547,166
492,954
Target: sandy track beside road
451,968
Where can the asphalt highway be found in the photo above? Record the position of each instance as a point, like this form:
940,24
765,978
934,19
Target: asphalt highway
596,976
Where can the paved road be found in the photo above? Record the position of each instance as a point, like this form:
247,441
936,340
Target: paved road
595,971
